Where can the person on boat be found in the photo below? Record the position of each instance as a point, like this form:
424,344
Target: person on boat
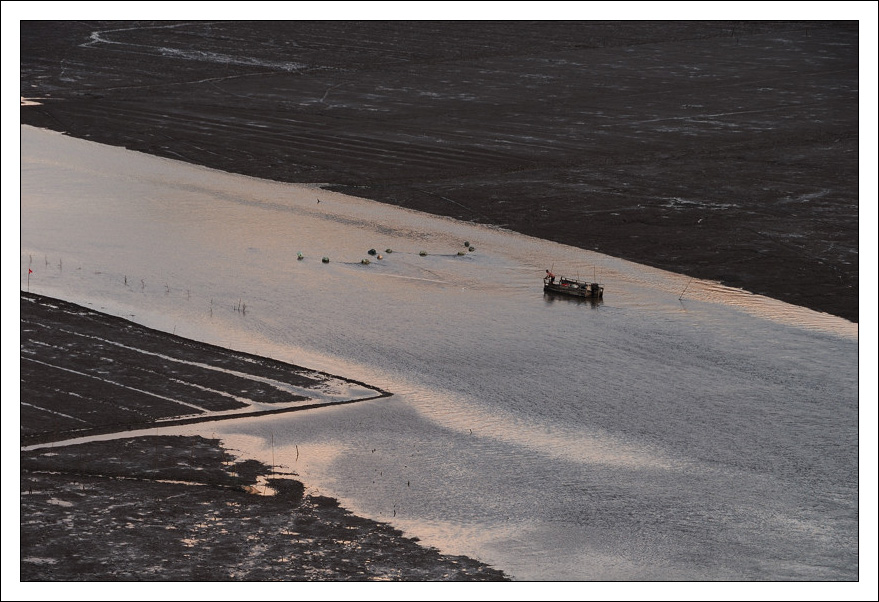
551,277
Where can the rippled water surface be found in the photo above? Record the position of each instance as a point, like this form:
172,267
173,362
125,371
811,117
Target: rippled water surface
713,436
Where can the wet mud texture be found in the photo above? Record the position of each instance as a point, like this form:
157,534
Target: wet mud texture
721,150
183,509
174,508
89,373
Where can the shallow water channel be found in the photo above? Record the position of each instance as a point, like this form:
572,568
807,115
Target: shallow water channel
678,430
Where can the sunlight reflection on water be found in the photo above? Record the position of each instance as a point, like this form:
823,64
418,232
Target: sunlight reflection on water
635,438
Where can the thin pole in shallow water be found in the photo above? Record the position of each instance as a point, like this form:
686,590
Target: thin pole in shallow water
685,289
272,474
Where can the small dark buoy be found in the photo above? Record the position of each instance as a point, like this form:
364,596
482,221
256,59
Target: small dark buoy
466,244
371,251
298,255
472,249
423,253
388,251
326,259
365,261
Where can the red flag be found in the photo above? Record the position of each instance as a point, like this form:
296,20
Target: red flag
30,271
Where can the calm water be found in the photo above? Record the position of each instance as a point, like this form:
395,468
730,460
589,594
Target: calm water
648,437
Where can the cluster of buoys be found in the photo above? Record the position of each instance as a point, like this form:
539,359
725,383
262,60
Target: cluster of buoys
468,247
377,255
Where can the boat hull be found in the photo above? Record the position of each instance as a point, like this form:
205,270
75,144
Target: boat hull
572,290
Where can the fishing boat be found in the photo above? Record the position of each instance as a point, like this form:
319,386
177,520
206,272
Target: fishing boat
572,287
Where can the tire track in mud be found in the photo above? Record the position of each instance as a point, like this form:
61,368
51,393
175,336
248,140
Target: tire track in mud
322,147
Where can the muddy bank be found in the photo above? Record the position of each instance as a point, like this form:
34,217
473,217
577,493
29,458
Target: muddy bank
174,508
89,373
184,509
721,150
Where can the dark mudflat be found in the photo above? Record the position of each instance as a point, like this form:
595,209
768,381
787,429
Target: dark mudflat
721,150
183,509
87,373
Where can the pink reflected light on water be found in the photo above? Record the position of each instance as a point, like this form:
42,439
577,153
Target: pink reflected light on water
633,439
